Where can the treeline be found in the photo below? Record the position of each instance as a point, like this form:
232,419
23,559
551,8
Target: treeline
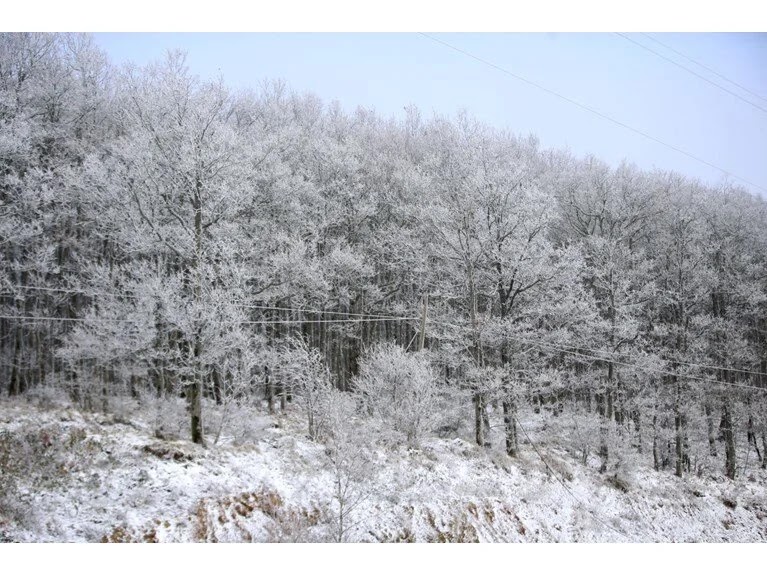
161,235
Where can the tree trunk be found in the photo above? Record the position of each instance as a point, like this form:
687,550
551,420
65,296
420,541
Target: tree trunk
655,447
217,387
751,436
711,433
603,449
479,414
40,358
510,424
105,390
269,389
679,444
195,392
679,432
195,411
15,386
729,440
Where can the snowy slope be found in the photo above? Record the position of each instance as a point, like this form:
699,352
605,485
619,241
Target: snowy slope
91,477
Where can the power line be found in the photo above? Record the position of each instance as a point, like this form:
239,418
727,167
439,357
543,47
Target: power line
319,311
236,302
639,367
415,335
696,62
593,111
303,321
685,363
366,315
228,322
60,290
69,319
561,481
364,318
543,344
686,69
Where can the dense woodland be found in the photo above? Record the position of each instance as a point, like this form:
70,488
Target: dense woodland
166,236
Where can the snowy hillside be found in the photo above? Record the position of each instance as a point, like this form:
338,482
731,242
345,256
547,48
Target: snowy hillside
73,476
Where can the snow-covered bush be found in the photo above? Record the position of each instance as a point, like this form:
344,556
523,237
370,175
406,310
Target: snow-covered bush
48,397
398,387
168,417
350,458
304,371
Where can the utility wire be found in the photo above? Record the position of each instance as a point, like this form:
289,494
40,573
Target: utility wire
228,322
366,315
236,302
59,290
639,367
697,63
302,321
319,311
70,319
594,355
543,345
685,363
411,341
562,482
686,69
593,111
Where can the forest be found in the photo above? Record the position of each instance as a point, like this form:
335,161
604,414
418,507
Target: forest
257,251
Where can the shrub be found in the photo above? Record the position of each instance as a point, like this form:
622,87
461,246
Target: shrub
305,372
399,387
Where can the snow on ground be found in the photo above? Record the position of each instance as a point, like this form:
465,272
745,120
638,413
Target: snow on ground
94,477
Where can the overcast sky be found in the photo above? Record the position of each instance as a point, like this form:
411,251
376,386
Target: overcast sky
606,72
